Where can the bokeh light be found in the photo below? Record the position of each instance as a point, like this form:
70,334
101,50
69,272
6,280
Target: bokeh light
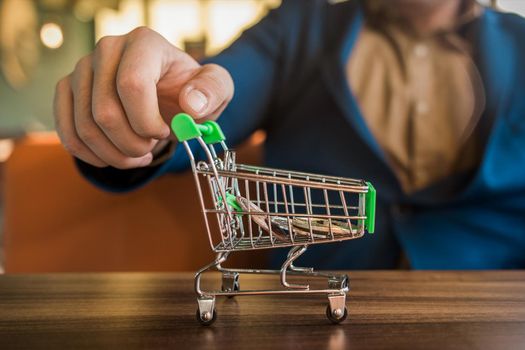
51,35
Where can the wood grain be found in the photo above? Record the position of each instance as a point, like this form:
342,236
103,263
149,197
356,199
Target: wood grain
387,310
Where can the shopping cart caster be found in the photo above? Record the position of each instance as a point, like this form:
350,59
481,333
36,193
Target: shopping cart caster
336,310
206,318
206,313
338,282
230,282
336,316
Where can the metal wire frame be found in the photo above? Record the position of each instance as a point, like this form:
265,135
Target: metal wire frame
277,194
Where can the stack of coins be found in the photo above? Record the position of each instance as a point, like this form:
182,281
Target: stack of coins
280,226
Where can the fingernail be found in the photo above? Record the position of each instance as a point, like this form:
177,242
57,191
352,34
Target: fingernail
146,160
197,100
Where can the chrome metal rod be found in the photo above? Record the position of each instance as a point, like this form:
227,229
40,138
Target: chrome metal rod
294,253
221,257
286,181
279,291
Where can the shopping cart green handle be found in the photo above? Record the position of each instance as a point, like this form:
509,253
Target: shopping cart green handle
370,208
185,128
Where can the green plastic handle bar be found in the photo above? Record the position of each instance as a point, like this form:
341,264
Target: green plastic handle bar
232,202
185,128
370,208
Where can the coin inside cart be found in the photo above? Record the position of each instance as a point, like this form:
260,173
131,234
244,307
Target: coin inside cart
282,222
322,225
262,220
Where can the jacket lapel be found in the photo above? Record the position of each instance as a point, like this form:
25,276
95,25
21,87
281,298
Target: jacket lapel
495,61
352,18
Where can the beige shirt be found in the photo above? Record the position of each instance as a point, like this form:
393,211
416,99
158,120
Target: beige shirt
421,98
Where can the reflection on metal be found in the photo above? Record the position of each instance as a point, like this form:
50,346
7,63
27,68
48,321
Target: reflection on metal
19,50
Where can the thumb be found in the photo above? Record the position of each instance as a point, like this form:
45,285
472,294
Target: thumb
207,93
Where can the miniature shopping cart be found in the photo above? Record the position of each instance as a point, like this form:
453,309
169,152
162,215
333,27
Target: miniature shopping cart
246,208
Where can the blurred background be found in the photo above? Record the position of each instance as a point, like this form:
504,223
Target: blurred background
40,41
50,219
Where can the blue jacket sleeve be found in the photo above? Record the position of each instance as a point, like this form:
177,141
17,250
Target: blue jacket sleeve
253,61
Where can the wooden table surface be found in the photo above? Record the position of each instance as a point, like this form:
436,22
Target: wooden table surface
387,310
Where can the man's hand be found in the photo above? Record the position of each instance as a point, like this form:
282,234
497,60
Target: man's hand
114,108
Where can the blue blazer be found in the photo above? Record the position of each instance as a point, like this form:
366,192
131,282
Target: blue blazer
290,80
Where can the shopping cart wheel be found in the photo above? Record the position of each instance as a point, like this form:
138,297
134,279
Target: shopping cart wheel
205,318
336,316
206,313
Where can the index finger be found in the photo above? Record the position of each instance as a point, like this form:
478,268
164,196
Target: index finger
137,77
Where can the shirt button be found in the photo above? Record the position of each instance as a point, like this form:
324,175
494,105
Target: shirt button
421,50
421,107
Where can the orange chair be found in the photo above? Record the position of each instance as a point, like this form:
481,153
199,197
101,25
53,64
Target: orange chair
55,221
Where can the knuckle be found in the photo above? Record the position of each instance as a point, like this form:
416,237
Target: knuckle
87,135
220,73
129,83
147,130
220,81
83,63
106,43
136,151
105,118
140,32
62,84
219,69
